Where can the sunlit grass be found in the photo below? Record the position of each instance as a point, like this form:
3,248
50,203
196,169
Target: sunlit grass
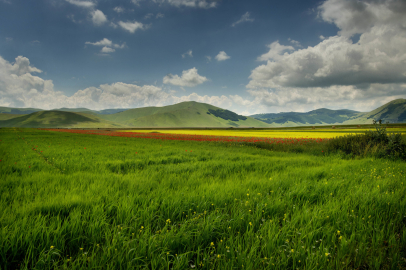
81,201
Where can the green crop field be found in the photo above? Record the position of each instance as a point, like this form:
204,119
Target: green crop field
80,201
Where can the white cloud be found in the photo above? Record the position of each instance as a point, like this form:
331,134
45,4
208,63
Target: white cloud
159,16
208,58
358,17
119,9
222,56
294,42
189,78
333,97
9,39
338,72
108,45
189,3
107,50
275,51
103,42
136,2
98,17
20,88
79,3
188,53
244,18
122,46
148,16
132,26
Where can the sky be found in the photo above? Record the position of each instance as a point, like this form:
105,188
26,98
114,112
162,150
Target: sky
258,56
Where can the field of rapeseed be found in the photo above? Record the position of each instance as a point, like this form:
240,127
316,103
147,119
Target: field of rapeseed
319,133
80,201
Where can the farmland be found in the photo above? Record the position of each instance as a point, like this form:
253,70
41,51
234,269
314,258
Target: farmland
147,200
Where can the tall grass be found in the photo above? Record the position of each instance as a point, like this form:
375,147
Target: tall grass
376,143
118,203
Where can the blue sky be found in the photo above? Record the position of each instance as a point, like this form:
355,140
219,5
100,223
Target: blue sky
247,56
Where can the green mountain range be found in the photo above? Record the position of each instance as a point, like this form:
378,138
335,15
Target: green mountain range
185,114
192,114
392,112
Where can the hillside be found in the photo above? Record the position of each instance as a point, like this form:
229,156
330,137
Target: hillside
184,114
10,110
193,114
52,119
316,117
393,112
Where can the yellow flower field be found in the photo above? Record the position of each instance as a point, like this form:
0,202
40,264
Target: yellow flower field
277,133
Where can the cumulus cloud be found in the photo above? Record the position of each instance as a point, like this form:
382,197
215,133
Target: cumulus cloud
132,26
189,3
244,18
188,53
189,78
337,68
275,51
119,9
98,17
107,50
108,45
20,88
84,4
103,42
222,56
294,42
334,97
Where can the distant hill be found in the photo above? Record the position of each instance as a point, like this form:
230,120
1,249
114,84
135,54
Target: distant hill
393,112
184,114
18,110
192,114
316,117
85,110
53,119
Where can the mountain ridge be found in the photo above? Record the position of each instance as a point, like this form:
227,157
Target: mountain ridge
193,114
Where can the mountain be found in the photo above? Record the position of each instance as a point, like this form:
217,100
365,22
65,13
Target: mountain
18,110
184,114
53,119
316,117
393,112
193,114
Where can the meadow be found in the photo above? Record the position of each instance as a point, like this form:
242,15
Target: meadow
84,201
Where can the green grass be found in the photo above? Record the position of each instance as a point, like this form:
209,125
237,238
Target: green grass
126,203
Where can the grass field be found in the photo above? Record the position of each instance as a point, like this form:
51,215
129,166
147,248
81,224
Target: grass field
81,201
